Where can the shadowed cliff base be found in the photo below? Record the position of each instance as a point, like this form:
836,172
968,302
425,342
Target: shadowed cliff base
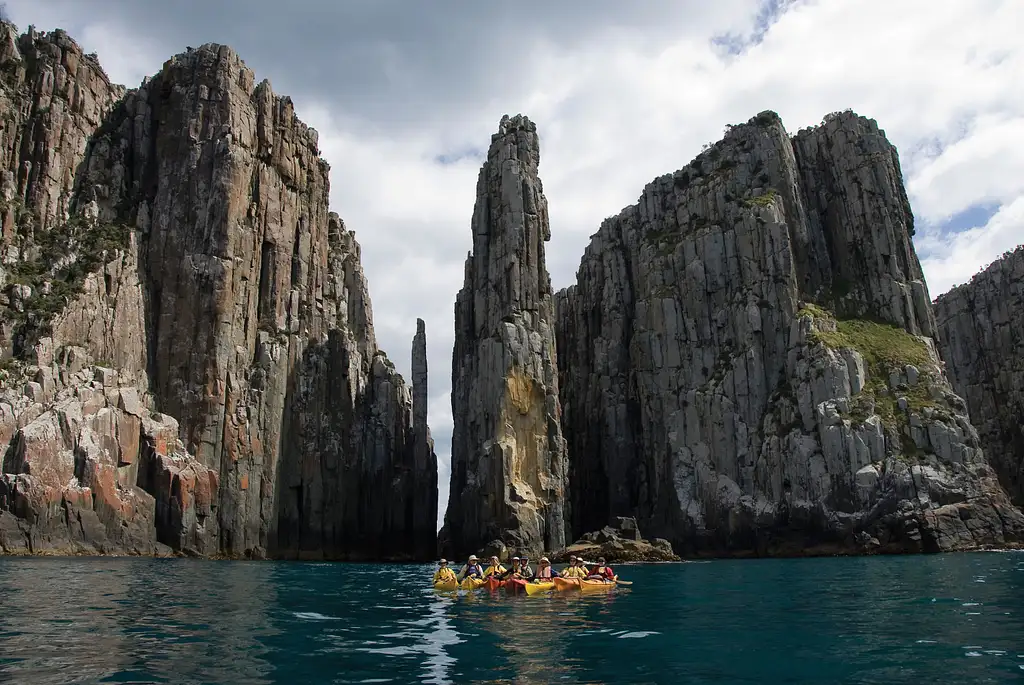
201,270
746,361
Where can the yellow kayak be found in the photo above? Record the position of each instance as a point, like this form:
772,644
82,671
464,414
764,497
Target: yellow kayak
473,583
566,584
539,587
596,585
446,585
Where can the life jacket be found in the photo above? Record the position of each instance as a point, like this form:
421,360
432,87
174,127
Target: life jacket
494,570
526,571
603,571
574,572
468,570
543,572
444,574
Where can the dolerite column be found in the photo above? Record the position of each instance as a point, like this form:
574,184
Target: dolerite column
425,461
508,456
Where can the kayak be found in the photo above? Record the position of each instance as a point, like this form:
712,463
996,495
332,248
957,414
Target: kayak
566,584
446,585
595,585
515,585
494,583
539,587
472,583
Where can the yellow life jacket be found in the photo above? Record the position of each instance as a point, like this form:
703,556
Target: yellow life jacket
494,570
574,572
444,574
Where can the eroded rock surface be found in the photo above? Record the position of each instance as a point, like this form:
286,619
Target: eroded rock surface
190,249
745,362
508,455
617,543
53,98
92,468
981,339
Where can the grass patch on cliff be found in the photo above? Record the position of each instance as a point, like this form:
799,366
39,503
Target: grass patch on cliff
54,265
885,349
763,200
882,345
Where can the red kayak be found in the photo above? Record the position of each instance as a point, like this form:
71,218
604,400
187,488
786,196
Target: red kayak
515,585
493,583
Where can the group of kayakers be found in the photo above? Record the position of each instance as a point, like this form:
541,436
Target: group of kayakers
521,569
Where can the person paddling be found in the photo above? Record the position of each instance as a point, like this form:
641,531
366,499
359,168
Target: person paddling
601,572
544,571
525,569
575,569
471,569
515,571
443,573
495,569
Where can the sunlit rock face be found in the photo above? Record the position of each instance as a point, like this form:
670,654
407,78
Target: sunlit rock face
746,360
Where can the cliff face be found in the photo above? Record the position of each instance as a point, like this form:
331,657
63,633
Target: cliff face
212,276
981,339
508,456
745,362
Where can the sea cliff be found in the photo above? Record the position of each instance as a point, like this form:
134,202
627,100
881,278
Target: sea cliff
190,360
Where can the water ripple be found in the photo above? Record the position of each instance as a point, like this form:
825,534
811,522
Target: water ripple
874,620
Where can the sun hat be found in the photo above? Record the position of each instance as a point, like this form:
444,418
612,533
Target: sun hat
443,562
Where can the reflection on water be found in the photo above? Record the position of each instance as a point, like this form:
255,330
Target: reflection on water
82,620
440,633
951,618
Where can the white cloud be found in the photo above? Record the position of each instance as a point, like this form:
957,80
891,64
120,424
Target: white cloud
955,258
624,106
977,169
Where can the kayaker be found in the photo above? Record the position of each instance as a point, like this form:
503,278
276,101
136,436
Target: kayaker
525,568
575,569
443,572
601,572
544,571
495,569
471,569
515,571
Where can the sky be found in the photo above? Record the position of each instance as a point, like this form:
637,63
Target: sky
405,96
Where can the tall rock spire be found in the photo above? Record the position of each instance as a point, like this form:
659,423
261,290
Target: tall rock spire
424,483
508,455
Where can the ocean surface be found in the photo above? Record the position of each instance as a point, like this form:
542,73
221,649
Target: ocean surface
915,619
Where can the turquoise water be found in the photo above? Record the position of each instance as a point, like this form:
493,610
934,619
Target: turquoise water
933,619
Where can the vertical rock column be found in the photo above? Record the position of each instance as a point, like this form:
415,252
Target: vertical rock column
981,339
424,484
508,454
